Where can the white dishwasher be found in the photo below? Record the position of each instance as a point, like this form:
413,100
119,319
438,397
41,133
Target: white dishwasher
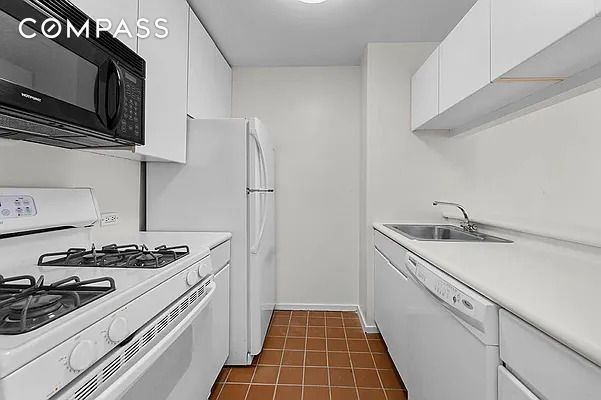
454,337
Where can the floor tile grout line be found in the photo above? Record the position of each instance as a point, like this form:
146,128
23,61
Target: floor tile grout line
229,371
294,384
305,358
325,329
377,371
277,378
350,359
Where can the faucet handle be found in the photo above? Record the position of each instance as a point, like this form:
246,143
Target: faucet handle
469,227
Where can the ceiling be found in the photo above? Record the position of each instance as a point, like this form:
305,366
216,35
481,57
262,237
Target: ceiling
291,33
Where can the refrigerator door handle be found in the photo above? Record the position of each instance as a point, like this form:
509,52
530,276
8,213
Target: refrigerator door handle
254,249
249,191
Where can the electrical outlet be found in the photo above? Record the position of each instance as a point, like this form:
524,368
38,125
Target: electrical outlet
109,219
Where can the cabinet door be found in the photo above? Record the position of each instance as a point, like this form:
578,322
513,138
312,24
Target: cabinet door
201,70
223,90
510,388
522,28
166,81
465,57
220,337
552,370
391,307
424,92
115,11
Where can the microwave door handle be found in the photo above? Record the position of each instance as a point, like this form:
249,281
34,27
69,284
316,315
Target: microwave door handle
100,90
114,71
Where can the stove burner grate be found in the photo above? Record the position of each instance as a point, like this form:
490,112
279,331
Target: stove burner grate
114,256
28,306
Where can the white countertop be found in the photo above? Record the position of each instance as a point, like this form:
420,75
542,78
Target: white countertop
554,287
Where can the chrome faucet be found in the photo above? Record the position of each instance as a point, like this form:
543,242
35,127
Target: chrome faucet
466,225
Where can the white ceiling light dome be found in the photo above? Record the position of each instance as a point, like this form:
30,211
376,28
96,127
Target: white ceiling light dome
312,1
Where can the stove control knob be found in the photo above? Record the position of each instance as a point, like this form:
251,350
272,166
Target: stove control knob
82,355
118,330
205,268
191,278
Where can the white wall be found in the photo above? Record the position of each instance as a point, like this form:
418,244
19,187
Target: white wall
314,116
539,172
401,169
116,181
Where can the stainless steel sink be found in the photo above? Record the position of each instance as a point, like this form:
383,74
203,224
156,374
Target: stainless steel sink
443,233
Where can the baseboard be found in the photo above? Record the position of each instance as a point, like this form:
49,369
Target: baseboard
366,328
316,307
329,307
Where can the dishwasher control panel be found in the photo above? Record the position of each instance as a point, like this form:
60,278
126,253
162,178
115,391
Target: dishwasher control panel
445,291
17,206
475,311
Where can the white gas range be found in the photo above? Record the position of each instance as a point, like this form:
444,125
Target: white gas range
83,319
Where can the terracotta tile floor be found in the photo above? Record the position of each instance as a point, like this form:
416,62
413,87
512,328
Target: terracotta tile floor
315,355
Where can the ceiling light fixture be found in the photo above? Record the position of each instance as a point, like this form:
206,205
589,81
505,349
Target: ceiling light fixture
312,1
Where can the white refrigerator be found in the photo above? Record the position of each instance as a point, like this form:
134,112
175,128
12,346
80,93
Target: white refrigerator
227,184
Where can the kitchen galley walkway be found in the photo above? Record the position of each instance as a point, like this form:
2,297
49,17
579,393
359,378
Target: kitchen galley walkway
315,355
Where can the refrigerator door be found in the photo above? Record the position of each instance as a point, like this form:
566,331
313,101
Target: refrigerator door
261,212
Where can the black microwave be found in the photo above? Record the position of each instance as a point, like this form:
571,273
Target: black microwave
63,89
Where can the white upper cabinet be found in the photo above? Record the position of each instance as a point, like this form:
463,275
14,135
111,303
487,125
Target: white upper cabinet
166,82
224,87
424,92
115,11
201,69
210,76
465,57
522,28
505,56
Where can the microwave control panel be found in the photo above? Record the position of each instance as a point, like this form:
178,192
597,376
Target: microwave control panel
130,125
17,206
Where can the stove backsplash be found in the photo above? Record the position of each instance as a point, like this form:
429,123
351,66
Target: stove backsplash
116,181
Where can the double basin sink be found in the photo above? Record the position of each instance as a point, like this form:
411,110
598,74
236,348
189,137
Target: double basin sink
443,233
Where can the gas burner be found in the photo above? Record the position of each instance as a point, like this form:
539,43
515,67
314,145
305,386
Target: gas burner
28,306
114,256
37,305
89,258
148,257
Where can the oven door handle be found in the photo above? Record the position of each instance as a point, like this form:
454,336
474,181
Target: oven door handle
132,374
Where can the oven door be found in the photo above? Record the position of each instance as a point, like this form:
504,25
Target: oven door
172,369
160,361
67,81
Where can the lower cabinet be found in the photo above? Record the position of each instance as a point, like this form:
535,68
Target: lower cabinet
220,331
540,365
510,388
391,307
